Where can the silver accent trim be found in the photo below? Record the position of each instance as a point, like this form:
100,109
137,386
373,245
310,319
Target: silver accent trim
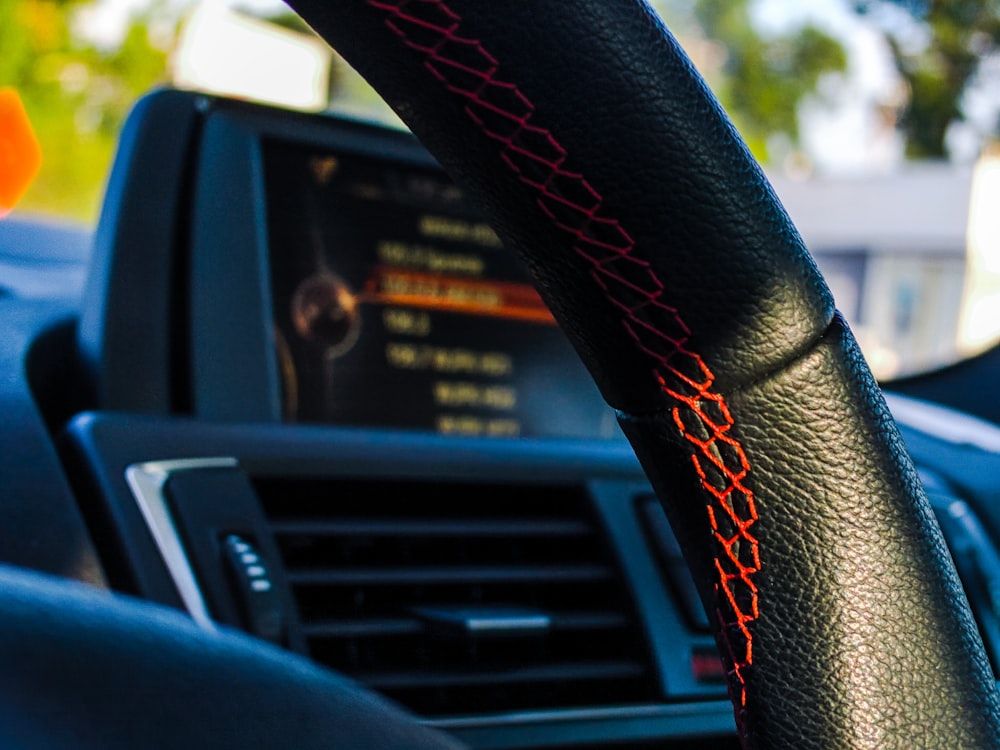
944,423
147,480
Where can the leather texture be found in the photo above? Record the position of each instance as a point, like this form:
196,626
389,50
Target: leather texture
603,160
864,637
172,685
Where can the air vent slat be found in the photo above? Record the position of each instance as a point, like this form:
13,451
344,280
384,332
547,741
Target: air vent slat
392,626
548,673
409,528
440,575
589,621
459,599
371,628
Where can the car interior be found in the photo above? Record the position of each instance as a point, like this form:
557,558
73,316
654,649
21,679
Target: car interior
532,426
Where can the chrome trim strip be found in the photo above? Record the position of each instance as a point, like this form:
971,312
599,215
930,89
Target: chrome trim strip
944,423
147,480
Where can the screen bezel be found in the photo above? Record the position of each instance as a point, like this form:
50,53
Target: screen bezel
235,366
235,373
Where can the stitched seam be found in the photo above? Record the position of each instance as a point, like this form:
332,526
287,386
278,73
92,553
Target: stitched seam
466,69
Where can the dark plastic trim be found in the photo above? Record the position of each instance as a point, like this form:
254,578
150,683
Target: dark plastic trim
124,336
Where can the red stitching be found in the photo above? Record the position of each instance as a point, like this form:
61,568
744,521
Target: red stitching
504,114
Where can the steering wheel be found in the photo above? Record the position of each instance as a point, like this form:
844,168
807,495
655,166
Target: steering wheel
604,161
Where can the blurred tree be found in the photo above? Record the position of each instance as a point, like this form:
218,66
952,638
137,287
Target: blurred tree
939,47
77,94
761,79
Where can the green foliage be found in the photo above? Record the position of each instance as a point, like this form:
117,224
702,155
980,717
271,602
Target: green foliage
76,94
957,35
762,79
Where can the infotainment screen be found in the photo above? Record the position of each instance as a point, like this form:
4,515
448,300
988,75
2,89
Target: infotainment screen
395,305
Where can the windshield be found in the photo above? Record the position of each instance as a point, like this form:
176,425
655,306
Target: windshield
874,120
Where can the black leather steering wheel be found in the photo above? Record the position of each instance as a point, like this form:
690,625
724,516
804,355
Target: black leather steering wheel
606,163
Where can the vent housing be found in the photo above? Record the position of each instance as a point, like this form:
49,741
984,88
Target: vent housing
460,598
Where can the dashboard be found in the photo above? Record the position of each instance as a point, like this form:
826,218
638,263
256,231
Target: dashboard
306,394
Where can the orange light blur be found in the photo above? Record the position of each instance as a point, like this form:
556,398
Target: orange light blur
497,299
20,152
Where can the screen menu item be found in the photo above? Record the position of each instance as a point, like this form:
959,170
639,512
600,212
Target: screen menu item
395,305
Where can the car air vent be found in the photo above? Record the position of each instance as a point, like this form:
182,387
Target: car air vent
457,599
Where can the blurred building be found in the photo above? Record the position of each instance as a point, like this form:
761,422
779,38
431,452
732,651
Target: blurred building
908,255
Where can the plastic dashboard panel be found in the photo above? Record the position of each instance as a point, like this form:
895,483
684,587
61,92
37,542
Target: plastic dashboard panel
232,340
104,446
101,447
